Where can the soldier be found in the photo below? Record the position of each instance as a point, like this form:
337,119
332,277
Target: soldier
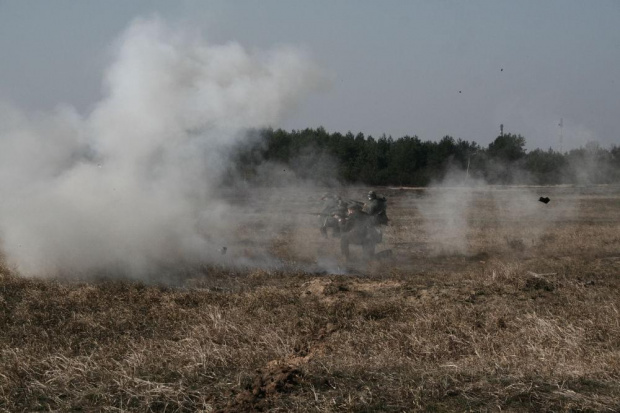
376,207
358,228
334,209
329,201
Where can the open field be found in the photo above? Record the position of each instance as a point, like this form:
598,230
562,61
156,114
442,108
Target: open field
491,301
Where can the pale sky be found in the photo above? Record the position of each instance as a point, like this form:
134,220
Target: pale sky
425,68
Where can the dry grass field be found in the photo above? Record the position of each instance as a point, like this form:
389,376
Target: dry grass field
490,301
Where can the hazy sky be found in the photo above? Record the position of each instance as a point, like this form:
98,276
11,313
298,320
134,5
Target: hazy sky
425,68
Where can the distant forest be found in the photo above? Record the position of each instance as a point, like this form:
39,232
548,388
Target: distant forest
409,161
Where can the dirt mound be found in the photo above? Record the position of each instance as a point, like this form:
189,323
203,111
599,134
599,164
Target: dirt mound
323,288
279,376
537,282
267,383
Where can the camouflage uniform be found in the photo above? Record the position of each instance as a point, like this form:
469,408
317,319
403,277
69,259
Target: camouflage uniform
330,201
376,207
334,209
358,228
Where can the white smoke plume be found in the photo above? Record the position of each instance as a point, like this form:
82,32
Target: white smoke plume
130,185
460,208
446,211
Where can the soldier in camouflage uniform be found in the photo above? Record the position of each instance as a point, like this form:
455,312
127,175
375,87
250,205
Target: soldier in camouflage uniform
376,207
334,209
358,228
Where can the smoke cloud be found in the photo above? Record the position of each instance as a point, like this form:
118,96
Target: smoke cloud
460,209
131,185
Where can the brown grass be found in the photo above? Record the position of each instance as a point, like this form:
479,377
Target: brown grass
526,320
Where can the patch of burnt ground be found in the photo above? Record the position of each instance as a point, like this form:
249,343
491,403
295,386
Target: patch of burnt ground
267,383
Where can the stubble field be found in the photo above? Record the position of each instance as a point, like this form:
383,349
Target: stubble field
490,301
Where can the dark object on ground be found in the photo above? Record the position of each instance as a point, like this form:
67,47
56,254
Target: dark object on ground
385,254
223,250
538,282
544,200
266,384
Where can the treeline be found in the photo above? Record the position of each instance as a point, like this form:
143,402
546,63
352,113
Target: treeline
409,161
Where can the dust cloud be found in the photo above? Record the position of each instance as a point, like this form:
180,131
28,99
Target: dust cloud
133,185
445,212
459,209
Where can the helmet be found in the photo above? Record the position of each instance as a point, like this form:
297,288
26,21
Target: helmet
372,195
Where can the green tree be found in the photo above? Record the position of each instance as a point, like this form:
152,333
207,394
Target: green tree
545,167
507,147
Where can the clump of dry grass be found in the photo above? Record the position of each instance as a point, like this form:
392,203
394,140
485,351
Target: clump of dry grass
527,330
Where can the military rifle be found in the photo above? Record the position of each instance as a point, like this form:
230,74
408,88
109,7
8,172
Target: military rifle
319,214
